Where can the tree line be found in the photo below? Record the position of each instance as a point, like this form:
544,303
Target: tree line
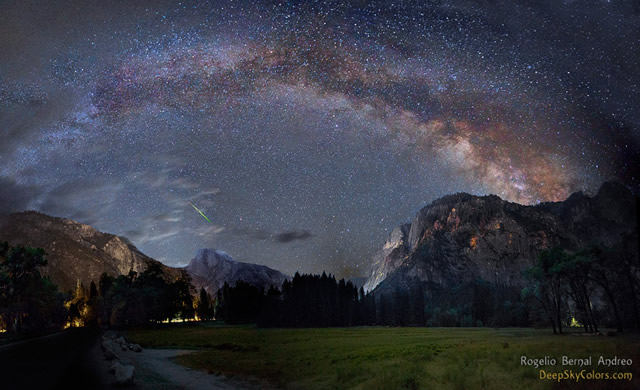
31,304
304,301
596,287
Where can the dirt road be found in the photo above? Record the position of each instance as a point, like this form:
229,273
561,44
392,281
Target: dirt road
157,369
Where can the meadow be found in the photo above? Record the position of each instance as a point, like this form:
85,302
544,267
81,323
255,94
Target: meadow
393,358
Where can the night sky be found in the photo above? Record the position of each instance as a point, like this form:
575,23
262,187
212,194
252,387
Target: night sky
306,131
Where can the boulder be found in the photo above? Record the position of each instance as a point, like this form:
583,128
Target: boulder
109,350
135,347
124,374
114,365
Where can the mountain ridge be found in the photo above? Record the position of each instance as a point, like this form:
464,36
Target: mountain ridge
75,251
460,237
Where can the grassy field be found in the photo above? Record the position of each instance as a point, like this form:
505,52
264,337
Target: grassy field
392,358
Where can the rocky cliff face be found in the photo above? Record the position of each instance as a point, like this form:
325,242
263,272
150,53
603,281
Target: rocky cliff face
461,238
74,251
212,268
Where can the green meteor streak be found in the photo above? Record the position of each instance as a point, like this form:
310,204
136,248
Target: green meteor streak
205,217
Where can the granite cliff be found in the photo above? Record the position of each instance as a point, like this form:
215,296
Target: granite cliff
212,268
74,251
460,238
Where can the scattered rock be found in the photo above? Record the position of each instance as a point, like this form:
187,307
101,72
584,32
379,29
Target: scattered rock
135,347
110,354
124,374
109,350
114,365
120,340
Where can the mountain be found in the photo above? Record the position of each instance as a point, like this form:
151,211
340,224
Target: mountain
212,268
461,238
74,251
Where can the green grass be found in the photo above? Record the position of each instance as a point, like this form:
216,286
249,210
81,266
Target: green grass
388,358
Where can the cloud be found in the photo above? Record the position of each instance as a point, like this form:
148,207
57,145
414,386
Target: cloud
284,237
25,110
143,236
292,235
15,196
83,200
164,217
206,230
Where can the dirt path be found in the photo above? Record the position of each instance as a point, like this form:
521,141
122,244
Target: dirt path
155,366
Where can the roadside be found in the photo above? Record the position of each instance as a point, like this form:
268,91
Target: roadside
157,369
74,359
57,361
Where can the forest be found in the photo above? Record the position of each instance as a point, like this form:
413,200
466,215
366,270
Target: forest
591,289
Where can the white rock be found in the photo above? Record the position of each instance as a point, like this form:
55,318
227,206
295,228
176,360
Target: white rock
124,374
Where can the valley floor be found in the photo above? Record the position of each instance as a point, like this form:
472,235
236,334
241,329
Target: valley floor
393,358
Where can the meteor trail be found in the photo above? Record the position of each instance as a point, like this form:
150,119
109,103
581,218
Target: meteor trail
205,217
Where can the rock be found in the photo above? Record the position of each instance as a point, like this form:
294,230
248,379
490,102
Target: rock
109,348
75,251
135,347
124,374
110,354
114,365
120,340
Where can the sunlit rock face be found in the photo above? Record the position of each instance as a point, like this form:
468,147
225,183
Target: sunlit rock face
387,260
74,251
461,238
212,268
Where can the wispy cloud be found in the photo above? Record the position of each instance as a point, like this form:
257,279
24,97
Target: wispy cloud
72,199
15,196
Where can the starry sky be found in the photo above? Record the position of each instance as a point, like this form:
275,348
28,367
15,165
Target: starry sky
307,130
